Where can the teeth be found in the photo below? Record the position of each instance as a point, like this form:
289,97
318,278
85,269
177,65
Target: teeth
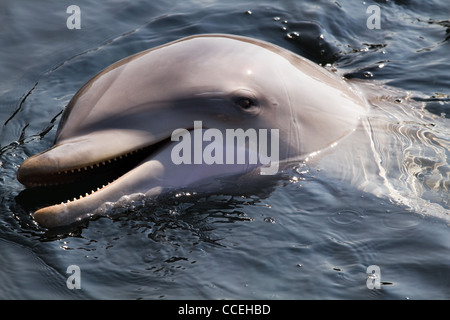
105,162
86,169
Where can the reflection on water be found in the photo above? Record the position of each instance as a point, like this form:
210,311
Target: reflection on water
411,146
311,236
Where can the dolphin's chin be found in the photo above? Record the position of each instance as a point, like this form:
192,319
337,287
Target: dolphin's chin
69,195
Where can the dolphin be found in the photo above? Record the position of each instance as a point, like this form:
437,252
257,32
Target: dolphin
131,116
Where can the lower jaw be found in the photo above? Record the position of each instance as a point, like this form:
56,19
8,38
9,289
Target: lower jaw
32,199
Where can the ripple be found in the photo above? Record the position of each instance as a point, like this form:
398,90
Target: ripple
400,221
345,217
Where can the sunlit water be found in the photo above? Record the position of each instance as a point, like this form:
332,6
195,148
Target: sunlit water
307,236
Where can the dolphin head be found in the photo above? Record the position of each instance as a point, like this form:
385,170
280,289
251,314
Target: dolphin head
123,119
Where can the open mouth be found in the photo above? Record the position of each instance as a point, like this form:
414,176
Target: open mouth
68,185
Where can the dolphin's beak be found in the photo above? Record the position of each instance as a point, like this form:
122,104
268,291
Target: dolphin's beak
102,157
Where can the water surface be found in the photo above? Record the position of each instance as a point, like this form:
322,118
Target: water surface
306,238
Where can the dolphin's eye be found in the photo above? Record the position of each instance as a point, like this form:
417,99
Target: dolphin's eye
246,101
247,104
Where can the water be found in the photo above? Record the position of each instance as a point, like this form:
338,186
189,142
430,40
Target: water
308,237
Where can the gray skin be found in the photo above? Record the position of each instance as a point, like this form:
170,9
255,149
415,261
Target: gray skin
225,81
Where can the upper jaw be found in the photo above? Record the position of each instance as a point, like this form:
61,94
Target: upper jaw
70,161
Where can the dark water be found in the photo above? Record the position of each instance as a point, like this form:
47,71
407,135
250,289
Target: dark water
307,238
